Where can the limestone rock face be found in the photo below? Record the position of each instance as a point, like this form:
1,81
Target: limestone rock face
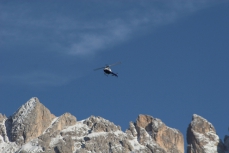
32,129
58,124
3,133
169,139
2,127
95,134
99,124
2,118
30,121
26,124
202,137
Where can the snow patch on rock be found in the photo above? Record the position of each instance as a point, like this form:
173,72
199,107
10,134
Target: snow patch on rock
24,110
210,140
31,147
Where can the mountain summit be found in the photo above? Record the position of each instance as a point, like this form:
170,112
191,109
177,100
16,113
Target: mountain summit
33,128
202,137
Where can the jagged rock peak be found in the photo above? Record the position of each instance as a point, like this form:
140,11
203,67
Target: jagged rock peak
169,139
29,121
202,137
59,123
197,121
99,124
25,109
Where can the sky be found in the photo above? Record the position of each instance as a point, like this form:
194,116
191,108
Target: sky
174,59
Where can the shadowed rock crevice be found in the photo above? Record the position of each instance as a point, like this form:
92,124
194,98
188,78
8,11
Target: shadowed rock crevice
226,143
8,126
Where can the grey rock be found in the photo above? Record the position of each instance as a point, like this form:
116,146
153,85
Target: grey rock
99,124
202,137
152,132
2,118
32,128
30,121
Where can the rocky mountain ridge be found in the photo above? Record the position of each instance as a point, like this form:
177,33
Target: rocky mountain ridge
33,128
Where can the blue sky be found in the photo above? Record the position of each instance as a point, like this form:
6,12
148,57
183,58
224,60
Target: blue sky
174,59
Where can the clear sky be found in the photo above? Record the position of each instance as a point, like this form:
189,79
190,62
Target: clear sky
175,59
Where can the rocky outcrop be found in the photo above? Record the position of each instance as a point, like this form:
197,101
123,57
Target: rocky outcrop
3,131
96,134
169,139
30,121
99,124
100,135
2,118
202,137
58,124
32,128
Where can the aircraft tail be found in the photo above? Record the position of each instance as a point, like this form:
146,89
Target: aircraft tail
114,74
